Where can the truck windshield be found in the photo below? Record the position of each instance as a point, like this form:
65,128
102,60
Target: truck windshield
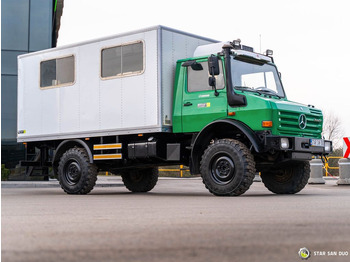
260,78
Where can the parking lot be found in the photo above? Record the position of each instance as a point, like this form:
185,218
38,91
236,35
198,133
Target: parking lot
177,221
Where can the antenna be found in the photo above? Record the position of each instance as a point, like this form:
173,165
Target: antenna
260,42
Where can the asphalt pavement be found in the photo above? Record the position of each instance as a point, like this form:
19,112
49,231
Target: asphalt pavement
179,220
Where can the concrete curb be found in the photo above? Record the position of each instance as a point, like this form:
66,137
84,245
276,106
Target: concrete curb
46,184
330,178
102,181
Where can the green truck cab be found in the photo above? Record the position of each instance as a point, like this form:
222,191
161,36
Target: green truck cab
235,103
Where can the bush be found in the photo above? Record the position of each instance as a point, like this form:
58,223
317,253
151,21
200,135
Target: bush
5,173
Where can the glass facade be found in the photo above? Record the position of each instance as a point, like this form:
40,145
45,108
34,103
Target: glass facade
26,26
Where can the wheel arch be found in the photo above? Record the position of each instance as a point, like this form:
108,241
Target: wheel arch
64,146
225,128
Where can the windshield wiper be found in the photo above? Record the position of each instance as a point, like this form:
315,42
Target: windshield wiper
268,91
243,87
247,88
259,91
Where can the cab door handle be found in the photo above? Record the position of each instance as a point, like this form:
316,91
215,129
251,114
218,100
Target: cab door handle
187,104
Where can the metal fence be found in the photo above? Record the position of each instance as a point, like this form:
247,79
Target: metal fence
181,171
172,171
328,165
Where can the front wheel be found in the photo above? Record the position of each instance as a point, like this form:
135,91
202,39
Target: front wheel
287,179
227,168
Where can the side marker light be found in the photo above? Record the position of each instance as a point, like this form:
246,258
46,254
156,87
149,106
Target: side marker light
266,123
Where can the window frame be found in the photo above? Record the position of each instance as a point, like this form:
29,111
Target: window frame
275,72
60,85
206,61
127,73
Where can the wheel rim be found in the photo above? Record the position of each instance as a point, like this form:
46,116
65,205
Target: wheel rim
72,172
222,169
284,176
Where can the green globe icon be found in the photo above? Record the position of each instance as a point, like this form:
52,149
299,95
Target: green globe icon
304,253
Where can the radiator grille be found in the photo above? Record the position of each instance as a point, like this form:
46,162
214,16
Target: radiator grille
289,123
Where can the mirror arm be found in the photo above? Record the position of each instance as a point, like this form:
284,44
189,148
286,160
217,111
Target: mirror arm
213,70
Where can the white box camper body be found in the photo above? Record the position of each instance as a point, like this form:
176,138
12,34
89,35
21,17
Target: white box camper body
95,106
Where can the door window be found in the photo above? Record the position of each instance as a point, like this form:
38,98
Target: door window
199,80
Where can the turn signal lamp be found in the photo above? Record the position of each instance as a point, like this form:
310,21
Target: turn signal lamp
266,123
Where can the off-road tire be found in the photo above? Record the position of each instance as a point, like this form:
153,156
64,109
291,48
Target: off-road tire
227,168
75,172
140,180
289,179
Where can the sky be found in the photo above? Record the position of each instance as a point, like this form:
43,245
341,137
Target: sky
310,38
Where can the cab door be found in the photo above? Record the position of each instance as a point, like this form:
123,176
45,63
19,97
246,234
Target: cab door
200,105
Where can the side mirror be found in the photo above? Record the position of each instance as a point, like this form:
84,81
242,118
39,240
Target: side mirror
213,65
212,81
194,65
214,70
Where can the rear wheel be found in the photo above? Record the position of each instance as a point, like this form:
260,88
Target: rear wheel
289,179
227,168
140,180
75,172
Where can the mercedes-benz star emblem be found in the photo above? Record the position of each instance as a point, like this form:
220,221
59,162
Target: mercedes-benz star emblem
302,121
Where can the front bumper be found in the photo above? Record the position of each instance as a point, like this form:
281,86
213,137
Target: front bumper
300,147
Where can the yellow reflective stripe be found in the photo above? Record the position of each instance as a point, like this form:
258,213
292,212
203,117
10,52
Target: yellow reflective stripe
107,146
107,156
